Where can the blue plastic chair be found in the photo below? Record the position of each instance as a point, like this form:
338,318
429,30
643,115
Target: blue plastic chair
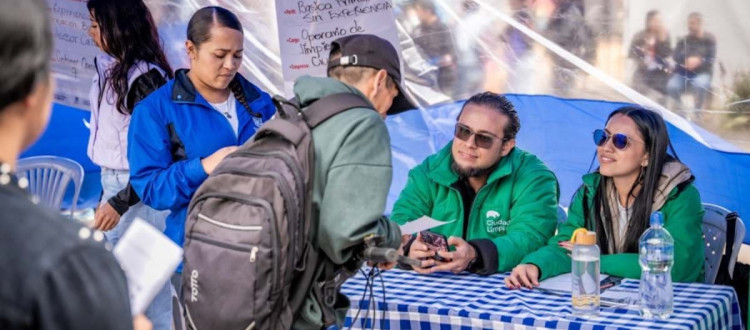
715,236
48,178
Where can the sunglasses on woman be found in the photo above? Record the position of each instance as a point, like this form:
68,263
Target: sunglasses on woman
619,140
482,140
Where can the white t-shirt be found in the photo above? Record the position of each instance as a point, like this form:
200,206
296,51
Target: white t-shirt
623,220
228,109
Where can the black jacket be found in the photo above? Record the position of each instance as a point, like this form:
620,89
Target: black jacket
54,273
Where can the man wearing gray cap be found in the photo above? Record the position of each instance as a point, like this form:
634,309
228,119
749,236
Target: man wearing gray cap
352,165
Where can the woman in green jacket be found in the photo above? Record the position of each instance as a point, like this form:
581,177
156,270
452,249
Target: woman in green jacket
636,177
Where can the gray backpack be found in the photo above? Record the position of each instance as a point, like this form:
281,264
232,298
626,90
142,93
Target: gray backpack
248,261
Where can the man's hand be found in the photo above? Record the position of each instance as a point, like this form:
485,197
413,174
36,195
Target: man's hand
106,217
386,266
140,322
693,62
459,259
526,275
209,163
420,251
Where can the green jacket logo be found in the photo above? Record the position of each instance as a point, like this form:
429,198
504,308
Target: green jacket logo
494,224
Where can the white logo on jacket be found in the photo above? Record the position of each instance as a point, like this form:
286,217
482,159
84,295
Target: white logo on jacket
494,224
258,122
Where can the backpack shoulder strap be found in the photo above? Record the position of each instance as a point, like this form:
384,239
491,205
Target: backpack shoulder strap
284,122
286,108
326,107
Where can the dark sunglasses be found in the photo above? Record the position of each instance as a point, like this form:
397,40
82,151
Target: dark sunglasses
483,141
619,140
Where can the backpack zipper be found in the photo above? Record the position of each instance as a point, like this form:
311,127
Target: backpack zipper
251,200
228,226
302,195
297,171
286,193
236,247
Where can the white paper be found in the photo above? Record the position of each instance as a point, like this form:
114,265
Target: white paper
149,259
562,283
423,223
73,57
616,293
307,28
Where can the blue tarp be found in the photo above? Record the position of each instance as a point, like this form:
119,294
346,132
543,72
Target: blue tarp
557,130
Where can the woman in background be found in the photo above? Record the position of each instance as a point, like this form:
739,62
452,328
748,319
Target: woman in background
133,65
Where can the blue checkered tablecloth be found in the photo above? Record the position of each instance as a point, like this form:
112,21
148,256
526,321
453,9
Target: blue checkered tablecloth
467,301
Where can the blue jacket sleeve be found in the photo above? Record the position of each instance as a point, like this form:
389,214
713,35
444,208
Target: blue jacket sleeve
161,182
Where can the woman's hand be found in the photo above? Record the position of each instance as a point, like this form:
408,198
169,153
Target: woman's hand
526,275
568,245
209,163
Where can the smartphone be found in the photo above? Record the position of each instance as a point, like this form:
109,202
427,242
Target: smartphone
436,242
609,282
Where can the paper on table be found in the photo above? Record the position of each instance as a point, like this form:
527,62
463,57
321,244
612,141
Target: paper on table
148,258
421,224
562,284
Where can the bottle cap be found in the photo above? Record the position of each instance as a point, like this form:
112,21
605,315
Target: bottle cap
586,238
656,219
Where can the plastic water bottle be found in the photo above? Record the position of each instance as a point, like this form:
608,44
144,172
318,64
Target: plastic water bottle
656,249
585,275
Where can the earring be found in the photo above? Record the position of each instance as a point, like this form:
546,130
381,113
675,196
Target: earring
641,175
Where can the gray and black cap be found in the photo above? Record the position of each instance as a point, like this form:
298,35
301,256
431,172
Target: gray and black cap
372,51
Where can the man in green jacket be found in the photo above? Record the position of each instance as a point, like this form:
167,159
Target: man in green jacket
352,161
500,201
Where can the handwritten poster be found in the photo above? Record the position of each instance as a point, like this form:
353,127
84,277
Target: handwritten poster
307,28
74,52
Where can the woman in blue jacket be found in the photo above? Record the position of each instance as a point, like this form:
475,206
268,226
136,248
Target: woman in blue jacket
181,131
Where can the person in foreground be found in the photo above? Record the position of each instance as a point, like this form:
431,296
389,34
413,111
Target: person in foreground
636,177
503,199
352,162
56,274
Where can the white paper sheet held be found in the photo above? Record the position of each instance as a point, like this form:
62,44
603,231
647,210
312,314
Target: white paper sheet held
421,224
148,258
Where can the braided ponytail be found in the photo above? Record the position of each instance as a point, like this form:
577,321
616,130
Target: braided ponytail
239,94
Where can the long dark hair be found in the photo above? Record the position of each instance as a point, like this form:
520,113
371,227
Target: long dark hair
656,138
129,35
199,31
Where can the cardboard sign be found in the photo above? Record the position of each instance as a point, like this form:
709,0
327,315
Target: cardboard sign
307,28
